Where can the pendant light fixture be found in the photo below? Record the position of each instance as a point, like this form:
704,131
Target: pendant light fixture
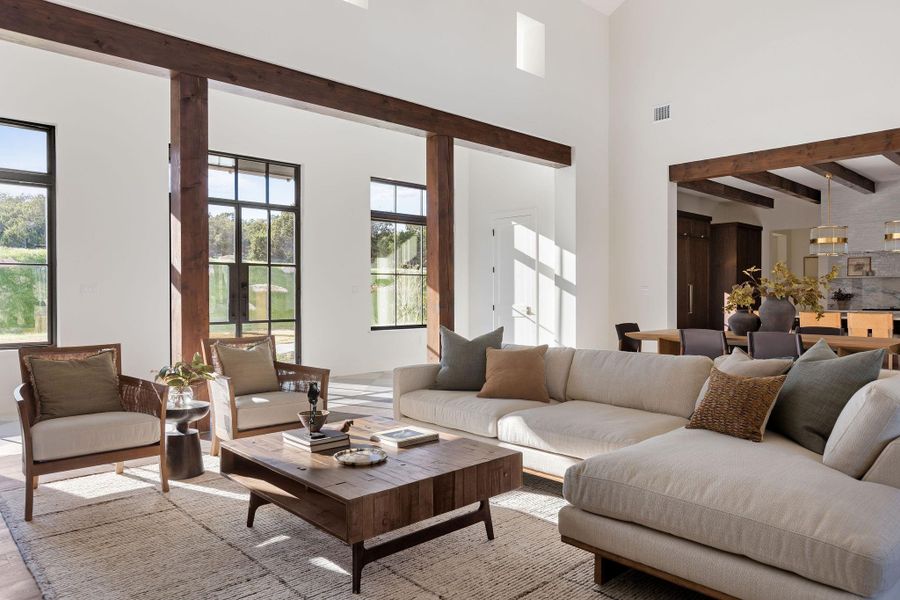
828,239
892,236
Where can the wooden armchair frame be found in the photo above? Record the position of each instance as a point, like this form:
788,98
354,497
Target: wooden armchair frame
137,395
291,377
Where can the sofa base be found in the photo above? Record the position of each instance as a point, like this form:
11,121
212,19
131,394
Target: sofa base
689,564
608,566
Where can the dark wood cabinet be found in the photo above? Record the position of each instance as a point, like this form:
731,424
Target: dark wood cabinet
734,247
693,270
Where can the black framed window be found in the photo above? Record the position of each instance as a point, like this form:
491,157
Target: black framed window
27,196
254,250
398,259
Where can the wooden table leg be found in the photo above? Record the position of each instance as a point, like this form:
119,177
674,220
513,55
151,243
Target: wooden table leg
668,347
255,502
363,556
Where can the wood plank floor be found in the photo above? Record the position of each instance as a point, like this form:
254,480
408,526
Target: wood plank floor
362,394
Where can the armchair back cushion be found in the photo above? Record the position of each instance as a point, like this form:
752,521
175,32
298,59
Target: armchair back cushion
252,370
65,388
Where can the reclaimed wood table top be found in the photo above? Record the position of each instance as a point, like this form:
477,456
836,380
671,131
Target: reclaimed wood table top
838,342
357,503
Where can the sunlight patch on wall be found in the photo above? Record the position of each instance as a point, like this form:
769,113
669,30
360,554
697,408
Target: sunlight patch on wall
531,43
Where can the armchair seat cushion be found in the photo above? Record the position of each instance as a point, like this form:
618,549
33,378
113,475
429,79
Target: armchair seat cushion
269,408
79,435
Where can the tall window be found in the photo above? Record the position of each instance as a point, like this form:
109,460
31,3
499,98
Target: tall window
26,234
398,254
254,250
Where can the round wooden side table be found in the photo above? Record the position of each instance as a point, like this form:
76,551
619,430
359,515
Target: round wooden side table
183,456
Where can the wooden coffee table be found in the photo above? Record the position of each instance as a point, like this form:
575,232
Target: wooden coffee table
357,504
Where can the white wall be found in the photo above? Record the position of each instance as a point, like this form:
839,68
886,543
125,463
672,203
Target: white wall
741,77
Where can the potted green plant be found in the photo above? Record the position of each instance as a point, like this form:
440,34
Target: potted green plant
181,376
784,292
841,298
740,304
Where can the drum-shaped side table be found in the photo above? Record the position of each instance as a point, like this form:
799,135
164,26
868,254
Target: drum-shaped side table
183,456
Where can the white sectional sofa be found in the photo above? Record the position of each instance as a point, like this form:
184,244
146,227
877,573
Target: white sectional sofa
724,516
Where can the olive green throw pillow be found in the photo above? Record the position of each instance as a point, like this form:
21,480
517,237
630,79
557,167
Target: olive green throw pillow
251,370
463,362
817,389
65,388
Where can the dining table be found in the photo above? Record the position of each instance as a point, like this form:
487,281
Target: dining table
669,341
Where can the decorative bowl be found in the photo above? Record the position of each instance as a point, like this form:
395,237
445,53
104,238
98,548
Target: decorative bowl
365,456
314,425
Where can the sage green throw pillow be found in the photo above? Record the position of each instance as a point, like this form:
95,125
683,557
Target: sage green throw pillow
817,389
463,362
251,370
65,388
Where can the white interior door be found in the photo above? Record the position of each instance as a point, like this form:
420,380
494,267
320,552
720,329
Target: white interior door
515,278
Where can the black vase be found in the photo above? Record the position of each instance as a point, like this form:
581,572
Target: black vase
777,314
743,321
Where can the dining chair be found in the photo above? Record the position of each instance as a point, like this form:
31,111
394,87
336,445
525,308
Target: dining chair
829,319
240,406
80,436
774,344
820,330
872,324
627,344
703,342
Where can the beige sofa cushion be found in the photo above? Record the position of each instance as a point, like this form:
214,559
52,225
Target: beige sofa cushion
460,410
773,502
64,437
869,422
653,382
557,363
269,408
583,429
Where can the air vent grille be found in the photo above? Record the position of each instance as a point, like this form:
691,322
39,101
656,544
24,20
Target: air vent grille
663,112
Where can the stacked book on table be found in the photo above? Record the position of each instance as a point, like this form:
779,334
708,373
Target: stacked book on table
332,440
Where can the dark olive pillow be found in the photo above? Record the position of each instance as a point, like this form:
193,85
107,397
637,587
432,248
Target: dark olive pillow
463,362
816,390
737,406
65,388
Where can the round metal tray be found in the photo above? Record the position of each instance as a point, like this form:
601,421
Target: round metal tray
361,457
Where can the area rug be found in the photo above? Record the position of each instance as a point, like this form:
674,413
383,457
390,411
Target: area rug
111,536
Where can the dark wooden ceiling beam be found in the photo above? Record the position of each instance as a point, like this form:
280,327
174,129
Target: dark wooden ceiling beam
783,185
894,157
52,26
720,190
844,176
854,146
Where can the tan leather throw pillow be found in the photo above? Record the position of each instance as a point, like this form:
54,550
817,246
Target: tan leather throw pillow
252,370
737,406
516,374
65,388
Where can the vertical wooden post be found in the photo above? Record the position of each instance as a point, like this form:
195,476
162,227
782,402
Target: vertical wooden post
439,239
189,225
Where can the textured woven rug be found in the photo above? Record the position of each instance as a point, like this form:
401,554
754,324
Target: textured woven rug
116,536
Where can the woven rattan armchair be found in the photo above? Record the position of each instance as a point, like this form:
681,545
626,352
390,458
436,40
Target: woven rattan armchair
137,395
224,406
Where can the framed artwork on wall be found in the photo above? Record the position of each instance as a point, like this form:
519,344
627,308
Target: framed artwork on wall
858,266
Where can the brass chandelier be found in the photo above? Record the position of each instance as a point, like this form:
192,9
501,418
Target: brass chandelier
828,239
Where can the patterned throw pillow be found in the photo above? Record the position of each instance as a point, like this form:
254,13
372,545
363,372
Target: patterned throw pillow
737,406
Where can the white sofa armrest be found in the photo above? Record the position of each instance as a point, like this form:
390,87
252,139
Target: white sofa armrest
412,378
886,469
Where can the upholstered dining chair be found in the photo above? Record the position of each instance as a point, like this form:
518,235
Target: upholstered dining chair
774,344
703,342
253,393
627,344
132,427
